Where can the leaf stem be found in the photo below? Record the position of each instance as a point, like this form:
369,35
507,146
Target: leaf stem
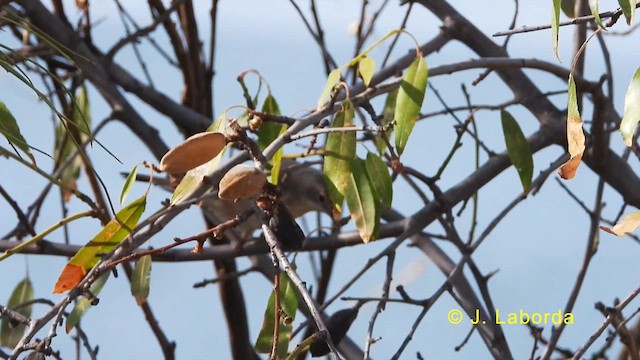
48,231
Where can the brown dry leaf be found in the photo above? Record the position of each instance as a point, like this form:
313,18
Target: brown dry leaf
568,170
629,224
82,4
194,151
575,135
66,194
241,182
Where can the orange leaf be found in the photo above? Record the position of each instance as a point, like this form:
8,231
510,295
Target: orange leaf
106,240
568,170
71,275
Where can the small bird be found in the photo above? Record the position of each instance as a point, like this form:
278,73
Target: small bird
302,190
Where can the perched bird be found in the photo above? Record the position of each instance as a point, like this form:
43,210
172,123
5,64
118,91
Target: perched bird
302,190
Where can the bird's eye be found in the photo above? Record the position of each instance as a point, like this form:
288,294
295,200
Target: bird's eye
321,197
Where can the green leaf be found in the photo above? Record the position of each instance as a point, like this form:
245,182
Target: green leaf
65,145
518,149
387,117
83,304
270,131
10,129
81,115
332,79
631,109
106,240
409,101
289,304
380,178
628,9
568,8
593,5
363,204
555,27
366,67
141,279
193,178
9,335
128,184
339,151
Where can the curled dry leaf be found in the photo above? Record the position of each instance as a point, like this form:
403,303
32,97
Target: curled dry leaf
575,135
629,224
241,182
193,152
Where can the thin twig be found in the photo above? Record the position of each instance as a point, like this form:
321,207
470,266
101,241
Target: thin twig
381,304
579,20
274,245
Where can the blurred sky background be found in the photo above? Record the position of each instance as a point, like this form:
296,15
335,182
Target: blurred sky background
538,249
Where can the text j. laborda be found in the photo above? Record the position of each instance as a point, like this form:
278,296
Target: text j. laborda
521,317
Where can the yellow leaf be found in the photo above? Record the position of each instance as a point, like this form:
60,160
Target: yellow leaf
106,240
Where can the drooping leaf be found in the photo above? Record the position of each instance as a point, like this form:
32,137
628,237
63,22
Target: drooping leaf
339,151
36,238
66,143
289,305
569,8
10,129
628,9
629,224
363,204
387,117
128,184
593,5
366,67
64,148
83,304
518,149
409,101
332,79
10,335
193,178
111,235
631,115
555,27
270,131
141,279
575,134
380,178
357,59
81,115
334,76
